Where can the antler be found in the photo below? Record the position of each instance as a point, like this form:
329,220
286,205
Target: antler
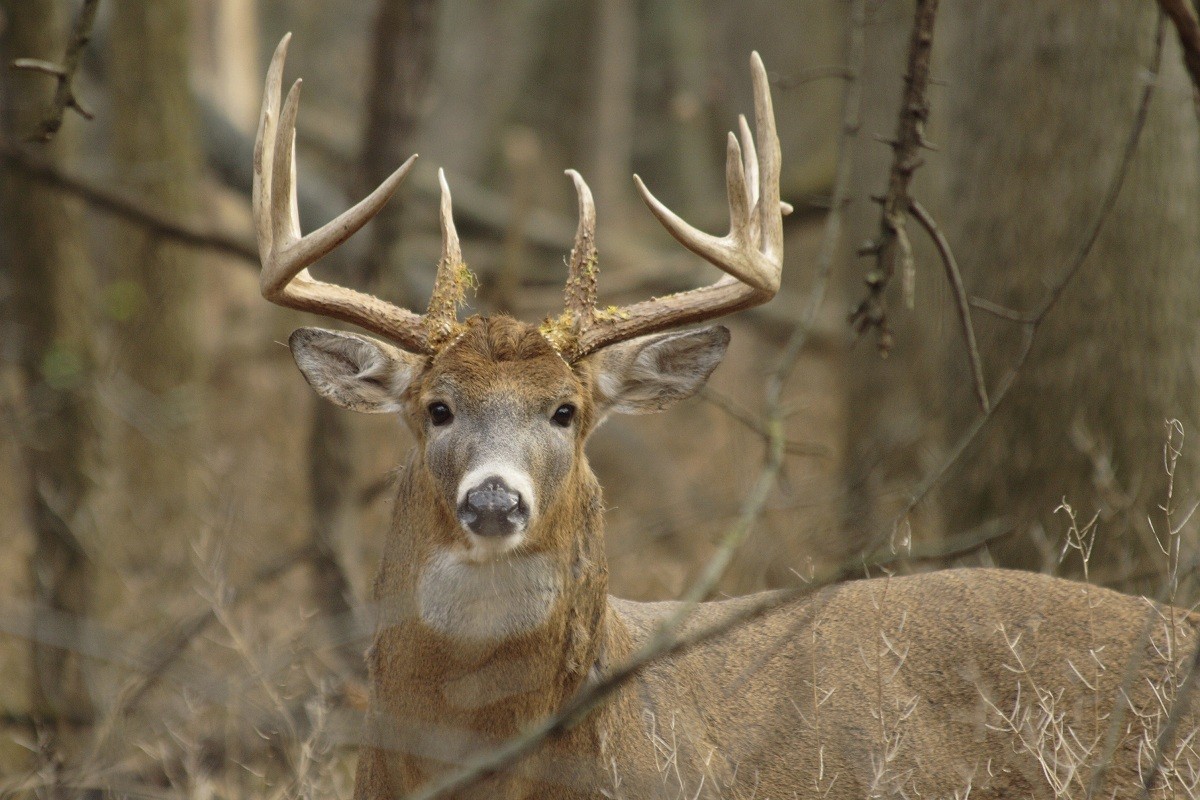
286,254
751,254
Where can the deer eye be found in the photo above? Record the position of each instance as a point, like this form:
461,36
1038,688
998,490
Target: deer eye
439,413
563,415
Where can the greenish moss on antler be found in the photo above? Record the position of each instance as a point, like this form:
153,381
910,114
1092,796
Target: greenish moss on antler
561,332
449,294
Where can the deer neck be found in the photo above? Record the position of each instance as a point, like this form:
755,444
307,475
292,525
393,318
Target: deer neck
488,646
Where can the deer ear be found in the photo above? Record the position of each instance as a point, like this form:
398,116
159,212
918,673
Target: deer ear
651,373
352,371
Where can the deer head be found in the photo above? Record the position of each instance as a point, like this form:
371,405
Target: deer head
500,408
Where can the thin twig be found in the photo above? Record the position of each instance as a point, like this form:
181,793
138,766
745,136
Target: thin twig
1191,45
954,276
738,414
806,76
892,243
126,208
64,73
997,310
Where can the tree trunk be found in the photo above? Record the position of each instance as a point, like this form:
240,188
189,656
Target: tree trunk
615,67
402,59
480,75
155,300
48,325
1040,102
225,58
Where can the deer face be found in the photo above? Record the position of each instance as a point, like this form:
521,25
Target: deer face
500,417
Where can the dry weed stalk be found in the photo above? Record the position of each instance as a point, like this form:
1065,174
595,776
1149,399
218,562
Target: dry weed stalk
1082,540
1143,714
1042,729
1163,762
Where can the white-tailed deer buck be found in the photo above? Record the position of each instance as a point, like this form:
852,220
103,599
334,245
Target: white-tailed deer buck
493,587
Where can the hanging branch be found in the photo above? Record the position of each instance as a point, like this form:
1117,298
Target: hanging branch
954,277
64,73
892,244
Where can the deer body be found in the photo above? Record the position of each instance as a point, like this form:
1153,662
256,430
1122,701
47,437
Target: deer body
494,610
872,687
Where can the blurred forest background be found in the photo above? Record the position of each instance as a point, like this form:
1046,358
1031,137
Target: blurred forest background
188,534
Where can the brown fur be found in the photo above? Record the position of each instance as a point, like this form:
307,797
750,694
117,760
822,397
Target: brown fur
872,688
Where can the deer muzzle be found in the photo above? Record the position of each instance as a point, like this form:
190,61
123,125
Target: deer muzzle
493,509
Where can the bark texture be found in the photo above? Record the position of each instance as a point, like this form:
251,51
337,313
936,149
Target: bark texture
1036,116
47,323
402,56
154,300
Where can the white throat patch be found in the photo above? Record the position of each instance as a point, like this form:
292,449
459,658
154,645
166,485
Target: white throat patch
487,601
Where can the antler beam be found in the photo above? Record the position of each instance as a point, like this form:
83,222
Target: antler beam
286,254
751,254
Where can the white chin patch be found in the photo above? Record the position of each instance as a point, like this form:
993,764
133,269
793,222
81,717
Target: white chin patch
486,548
492,600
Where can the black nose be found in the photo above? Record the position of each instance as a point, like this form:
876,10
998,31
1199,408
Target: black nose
493,509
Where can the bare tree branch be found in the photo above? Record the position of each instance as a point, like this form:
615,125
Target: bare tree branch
892,244
997,310
740,415
807,76
126,208
954,276
64,73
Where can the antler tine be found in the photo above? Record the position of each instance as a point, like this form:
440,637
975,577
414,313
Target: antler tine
741,203
750,166
441,319
451,250
286,254
264,149
750,156
770,214
751,254
285,214
580,294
